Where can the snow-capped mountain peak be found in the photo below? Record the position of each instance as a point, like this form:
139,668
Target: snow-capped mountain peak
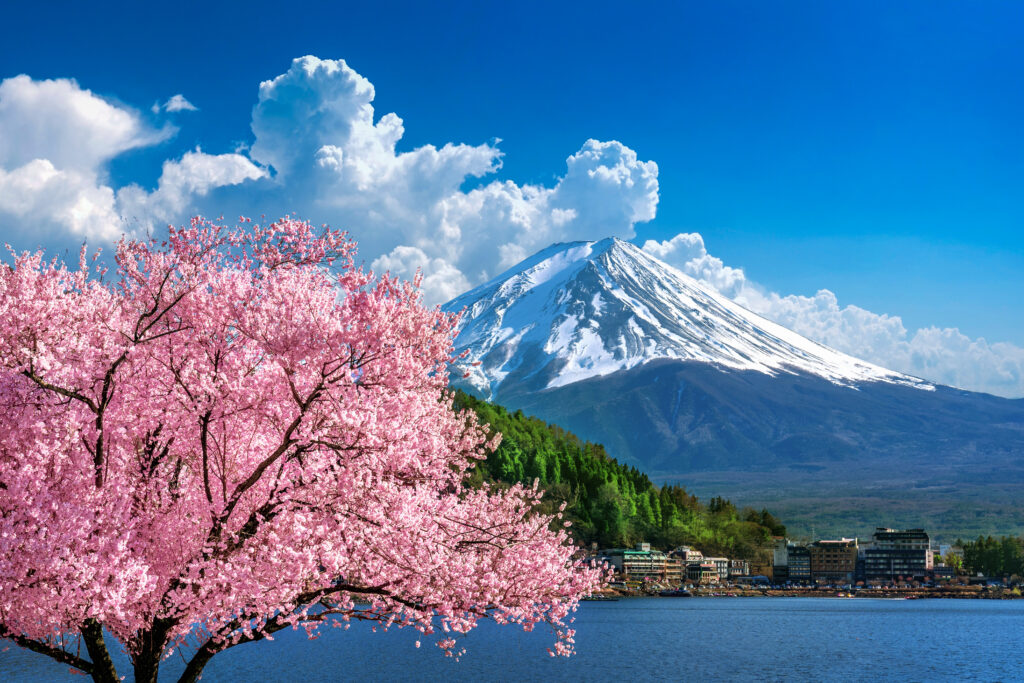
584,309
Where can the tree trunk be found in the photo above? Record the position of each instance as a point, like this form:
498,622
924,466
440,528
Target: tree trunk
146,669
149,650
103,667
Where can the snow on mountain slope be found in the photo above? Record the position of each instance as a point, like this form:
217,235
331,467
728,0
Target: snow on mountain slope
583,309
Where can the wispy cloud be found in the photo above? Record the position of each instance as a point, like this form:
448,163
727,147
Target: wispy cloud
173,104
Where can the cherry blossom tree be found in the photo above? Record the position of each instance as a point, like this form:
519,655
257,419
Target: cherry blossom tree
237,432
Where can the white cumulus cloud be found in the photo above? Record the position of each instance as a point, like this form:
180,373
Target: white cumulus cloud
316,127
686,252
56,142
441,280
319,148
606,190
70,127
37,196
179,103
183,182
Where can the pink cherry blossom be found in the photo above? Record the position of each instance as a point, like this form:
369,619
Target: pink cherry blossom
242,432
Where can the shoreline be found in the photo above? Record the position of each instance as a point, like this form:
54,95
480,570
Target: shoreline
939,593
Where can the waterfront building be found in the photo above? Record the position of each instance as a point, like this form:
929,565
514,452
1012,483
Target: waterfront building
833,560
675,570
702,573
738,568
780,551
641,563
687,554
780,559
898,554
721,564
799,564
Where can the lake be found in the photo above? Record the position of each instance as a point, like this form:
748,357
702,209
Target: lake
762,639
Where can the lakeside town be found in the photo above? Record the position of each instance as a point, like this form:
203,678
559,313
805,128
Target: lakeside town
891,563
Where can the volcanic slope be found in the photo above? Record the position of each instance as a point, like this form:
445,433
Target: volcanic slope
622,349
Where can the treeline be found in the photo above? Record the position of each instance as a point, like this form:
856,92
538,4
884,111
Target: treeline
607,502
994,556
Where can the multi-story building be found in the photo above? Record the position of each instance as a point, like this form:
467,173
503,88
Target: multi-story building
799,564
896,554
643,563
687,554
738,568
780,551
780,560
702,573
675,570
722,564
833,560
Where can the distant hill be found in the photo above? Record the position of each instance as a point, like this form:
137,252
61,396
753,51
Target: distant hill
608,503
688,386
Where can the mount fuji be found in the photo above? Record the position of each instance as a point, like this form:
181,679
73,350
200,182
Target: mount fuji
588,309
608,341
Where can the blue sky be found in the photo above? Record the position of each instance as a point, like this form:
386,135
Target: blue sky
869,150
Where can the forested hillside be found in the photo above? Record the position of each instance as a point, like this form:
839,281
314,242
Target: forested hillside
609,503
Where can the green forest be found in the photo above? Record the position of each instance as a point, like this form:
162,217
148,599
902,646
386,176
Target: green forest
607,502
994,556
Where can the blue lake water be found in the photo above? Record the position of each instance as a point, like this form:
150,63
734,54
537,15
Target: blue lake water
735,639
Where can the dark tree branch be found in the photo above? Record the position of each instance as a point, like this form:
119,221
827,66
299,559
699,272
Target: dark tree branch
62,656
209,648
204,433
286,442
60,390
